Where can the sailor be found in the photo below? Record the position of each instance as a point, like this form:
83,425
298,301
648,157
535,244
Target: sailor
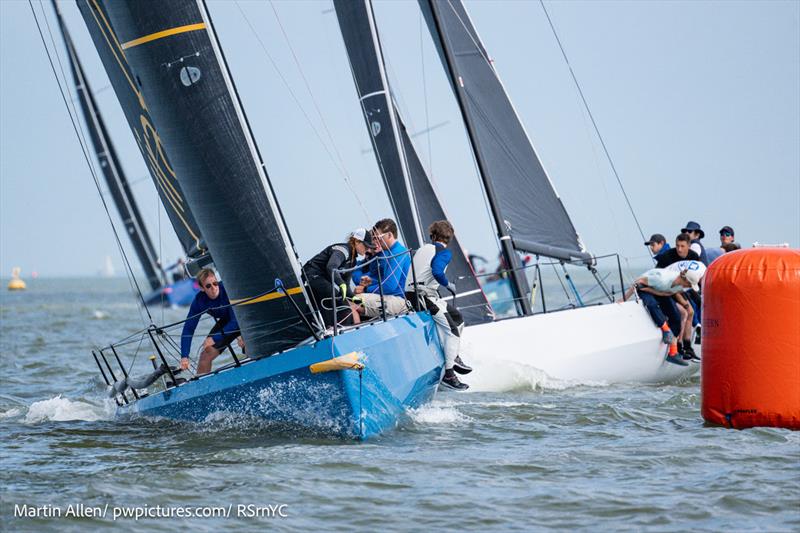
726,237
658,245
656,288
211,299
321,269
391,268
696,234
430,263
681,252
688,312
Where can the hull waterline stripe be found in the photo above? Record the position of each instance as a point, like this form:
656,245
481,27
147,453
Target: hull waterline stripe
267,297
162,34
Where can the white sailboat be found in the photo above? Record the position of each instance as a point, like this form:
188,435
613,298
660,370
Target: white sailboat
602,343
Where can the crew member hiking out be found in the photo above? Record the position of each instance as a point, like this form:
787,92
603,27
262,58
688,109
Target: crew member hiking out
430,263
211,299
321,268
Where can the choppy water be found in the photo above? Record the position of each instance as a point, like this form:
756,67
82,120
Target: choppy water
539,454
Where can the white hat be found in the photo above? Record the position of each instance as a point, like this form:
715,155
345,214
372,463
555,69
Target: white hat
359,233
696,274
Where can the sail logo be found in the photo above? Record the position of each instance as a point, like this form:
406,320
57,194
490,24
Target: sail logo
375,128
190,76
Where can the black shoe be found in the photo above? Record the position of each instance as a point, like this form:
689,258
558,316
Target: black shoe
452,382
697,335
461,367
689,354
676,360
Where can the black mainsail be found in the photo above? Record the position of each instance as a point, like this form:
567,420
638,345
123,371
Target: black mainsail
181,77
130,97
114,176
527,210
412,195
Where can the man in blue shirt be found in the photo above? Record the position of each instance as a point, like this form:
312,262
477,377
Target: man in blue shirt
211,299
393,269
658,245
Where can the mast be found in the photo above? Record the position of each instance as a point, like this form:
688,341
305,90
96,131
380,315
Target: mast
116,181
184,83
404,177
519,284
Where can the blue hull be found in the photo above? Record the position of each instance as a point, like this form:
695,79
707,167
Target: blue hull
403,362
178,294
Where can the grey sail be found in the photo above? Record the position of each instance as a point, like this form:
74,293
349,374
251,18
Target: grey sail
126,86
524,196
369,75
109,164
174,57
414,199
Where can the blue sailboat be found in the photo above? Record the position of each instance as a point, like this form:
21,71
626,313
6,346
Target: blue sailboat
168,71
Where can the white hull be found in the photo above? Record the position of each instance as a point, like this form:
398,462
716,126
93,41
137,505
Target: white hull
613,343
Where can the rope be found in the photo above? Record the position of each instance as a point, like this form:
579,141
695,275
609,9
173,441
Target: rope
342,170
84,146
594,123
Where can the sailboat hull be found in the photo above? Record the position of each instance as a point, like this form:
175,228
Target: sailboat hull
612,343
402,364
178,294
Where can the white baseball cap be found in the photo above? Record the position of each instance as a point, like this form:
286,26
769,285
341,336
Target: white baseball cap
361,234
695,275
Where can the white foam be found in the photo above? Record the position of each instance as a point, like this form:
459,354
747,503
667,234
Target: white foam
14,411
437,413
100,315
60,409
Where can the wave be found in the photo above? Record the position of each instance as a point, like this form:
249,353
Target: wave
60,409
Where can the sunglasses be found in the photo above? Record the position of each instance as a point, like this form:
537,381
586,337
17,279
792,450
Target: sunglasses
726,234
212,284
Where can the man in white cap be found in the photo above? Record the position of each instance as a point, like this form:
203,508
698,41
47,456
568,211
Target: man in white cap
656,288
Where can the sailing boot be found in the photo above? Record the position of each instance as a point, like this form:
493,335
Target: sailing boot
461,367
450,381
689,353
697,335
673,357
666,334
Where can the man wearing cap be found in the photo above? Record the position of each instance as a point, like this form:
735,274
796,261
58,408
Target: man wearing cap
655,288
726,237
696,233
658,245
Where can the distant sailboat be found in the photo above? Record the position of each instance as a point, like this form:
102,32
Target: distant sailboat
108,270
16,283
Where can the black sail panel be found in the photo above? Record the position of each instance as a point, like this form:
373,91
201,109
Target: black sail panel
471,299
139,120
369,76
109,164
527,201
182,78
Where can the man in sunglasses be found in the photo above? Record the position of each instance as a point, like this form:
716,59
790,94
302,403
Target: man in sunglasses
726,238
211,299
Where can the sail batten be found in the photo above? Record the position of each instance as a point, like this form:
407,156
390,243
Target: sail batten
523,194
196,114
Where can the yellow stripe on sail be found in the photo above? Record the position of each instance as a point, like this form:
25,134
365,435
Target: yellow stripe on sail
348,361
267,297
163,33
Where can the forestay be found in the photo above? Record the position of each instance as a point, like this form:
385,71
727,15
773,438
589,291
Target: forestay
172,54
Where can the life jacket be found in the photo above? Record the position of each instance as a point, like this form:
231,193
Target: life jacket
426,282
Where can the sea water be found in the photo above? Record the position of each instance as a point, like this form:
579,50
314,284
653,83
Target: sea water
525,452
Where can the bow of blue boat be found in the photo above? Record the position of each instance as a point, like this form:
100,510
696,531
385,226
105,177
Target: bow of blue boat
356,384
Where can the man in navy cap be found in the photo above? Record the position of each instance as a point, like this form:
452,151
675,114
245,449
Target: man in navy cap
696,233
658,245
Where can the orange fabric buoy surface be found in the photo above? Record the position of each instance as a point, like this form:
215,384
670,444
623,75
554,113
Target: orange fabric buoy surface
751,339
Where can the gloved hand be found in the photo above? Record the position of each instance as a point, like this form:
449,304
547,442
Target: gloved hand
343,289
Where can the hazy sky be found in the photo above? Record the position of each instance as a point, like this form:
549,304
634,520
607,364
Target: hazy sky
698,102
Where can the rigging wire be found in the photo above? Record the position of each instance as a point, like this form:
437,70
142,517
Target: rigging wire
83,143
339,165
594,123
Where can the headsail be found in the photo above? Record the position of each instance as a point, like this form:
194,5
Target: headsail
129,94
182,80
412,195
109,164
525,197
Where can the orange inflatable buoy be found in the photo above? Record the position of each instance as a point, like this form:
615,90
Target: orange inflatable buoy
751,339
